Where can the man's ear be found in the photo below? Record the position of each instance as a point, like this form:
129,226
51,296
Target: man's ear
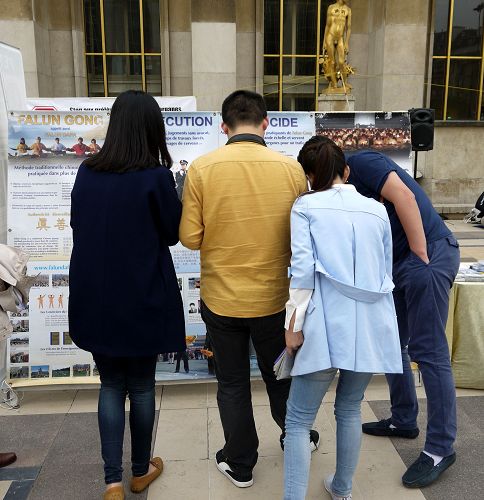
265,124
347,173
225,129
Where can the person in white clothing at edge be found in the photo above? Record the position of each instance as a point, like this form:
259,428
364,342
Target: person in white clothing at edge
340,314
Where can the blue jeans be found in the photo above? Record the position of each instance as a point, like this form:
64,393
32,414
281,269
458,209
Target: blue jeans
134,377
307,392
422,302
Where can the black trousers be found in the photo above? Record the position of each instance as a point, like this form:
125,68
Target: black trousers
181,356
229,338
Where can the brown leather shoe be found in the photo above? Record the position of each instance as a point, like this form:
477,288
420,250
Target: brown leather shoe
115,493
138,484
7,459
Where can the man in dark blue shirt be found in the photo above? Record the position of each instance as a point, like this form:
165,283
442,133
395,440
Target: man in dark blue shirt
425,262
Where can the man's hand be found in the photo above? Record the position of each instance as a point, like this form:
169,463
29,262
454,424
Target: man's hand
294,340
422,255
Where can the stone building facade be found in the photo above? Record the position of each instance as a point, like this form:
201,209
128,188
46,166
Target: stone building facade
208,48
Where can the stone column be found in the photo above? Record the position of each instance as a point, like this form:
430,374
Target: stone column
214,46
17,29
78,48
55,50
358,56
180,43
397,54
406,53
376,54
245,16
50,35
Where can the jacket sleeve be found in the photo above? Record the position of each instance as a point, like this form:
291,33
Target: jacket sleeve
302,260
191,227
170,208
388,244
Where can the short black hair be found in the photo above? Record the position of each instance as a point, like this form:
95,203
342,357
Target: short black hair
243,107
57,139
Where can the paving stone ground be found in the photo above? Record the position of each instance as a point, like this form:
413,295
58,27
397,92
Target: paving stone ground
56,439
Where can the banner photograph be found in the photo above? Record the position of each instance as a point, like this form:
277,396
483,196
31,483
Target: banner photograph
45,151
388,133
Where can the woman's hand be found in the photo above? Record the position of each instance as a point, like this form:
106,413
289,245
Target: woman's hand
294,340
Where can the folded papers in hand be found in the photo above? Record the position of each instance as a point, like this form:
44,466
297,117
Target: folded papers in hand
283,365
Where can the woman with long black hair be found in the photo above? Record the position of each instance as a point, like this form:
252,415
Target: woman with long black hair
125,306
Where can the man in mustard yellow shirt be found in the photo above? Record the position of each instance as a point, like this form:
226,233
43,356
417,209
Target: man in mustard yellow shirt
236,208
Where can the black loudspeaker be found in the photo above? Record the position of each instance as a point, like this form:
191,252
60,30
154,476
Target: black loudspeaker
422,126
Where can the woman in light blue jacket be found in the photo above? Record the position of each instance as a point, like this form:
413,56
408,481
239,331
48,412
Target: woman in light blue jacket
340,314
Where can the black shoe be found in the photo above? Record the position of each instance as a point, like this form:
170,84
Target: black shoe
314,439
423,471
241,480
382,428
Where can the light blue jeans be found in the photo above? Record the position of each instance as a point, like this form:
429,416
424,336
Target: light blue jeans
307,392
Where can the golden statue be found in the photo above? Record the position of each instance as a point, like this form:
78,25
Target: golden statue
336,43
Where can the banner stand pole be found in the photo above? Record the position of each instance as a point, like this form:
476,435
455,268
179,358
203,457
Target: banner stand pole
415,165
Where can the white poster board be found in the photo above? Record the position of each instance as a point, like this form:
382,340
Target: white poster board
12,96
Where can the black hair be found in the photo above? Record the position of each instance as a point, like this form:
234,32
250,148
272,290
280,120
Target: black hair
243,107
80,139
93,140
324,160
57,139
136,137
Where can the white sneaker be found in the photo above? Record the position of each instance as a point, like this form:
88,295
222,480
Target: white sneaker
328,483
239,480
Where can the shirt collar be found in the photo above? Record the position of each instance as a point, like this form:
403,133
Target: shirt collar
247,138
348,187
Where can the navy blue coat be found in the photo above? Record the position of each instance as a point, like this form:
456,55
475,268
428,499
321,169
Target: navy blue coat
124,297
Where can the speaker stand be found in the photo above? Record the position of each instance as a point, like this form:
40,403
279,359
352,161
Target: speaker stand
415,166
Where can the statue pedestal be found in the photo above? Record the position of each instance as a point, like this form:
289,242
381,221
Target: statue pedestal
336,102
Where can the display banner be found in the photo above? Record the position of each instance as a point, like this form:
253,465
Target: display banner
45,151
189,135
86,104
